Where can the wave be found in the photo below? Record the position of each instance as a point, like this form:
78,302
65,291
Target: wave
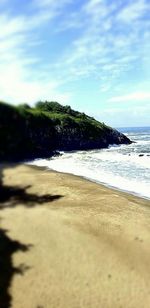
115,171
125,167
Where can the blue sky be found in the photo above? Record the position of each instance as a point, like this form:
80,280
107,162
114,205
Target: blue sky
92,54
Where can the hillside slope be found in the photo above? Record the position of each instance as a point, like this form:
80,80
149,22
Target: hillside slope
27,133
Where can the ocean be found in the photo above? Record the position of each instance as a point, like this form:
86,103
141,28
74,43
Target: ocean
125,167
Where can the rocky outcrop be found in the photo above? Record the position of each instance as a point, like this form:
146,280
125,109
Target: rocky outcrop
28,133
74,139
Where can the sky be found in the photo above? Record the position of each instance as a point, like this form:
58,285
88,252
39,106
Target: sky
93,55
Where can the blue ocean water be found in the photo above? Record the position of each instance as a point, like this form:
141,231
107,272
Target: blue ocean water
126,167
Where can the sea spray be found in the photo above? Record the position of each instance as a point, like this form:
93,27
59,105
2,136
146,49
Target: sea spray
126,167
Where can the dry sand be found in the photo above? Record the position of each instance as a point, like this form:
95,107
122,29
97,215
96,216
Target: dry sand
71,243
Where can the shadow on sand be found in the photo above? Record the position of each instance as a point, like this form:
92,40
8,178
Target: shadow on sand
11,197
7,248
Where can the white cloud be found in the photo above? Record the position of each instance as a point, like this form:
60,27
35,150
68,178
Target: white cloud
131,97
133,11
23,23
103,47
128,117
15,88
106,46
19,81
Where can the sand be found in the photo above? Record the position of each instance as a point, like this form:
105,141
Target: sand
71,243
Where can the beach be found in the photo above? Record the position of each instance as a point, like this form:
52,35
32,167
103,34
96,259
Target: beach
70,243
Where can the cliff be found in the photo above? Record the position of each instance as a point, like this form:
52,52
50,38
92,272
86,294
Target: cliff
27,133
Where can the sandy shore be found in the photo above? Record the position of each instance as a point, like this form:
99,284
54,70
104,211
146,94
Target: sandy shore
70,243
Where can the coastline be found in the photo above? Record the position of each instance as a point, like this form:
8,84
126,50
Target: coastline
107,185
81,244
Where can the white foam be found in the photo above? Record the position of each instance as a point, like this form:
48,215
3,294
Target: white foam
118,166
78,164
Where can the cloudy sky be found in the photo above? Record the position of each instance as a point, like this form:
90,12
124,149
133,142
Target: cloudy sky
91,54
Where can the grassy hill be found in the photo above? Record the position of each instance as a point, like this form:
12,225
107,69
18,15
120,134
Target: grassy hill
27,132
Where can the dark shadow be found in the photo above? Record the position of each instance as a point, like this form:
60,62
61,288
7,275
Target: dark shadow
7,248
1,175
13,196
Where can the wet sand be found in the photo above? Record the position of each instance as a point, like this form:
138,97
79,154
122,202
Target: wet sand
71,243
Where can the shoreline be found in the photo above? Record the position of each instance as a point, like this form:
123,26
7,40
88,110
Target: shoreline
132,193
69,242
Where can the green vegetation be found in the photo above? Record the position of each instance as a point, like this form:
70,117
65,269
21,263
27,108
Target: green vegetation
27,132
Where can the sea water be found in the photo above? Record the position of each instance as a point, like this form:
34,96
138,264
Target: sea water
126,167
